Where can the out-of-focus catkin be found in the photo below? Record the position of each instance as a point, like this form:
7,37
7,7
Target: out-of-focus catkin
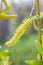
19,32
2,16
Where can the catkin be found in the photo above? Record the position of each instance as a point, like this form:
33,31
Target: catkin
2,15
19,32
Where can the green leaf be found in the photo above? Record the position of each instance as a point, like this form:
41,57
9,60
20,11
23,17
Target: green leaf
36,28
5,53
31,12
6,10
39,47
42,39
35,62
41,14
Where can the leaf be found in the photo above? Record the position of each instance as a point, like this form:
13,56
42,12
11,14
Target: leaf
36,28
31,12
5,53
39,47
6,10
38,56
34,62
7,6
41,14
42,39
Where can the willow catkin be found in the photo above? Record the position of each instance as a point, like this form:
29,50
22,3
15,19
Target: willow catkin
20,31
2,15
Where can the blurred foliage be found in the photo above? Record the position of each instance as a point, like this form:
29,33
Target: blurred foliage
25,49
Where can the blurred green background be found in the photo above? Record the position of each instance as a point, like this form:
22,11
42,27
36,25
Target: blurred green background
25,48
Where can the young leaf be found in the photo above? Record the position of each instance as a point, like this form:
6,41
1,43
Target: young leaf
5,54
41,14
31,12
42,39
39,47
6,10
38,56
34,62
36,28
7,6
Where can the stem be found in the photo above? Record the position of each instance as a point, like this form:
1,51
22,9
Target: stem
39,24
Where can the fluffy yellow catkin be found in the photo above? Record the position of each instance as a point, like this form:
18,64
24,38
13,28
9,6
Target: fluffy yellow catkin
2,15
19,32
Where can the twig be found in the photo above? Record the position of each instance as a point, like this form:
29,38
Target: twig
39,24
